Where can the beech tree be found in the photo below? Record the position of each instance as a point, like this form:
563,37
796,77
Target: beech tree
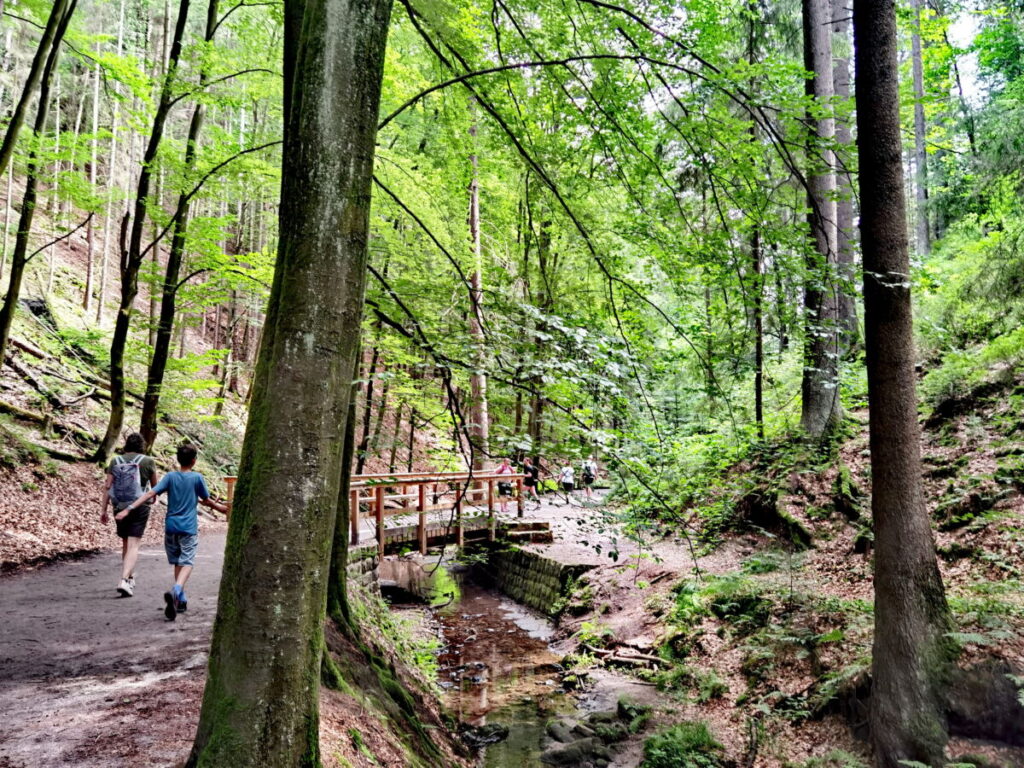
912,657
260,706
821,408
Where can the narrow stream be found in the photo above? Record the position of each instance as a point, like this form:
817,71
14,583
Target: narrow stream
496,667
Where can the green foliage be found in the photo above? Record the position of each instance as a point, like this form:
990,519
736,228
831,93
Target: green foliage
686,745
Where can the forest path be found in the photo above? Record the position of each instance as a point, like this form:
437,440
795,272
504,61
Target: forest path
88,678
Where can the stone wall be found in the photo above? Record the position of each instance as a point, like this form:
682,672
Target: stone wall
362,567
531,579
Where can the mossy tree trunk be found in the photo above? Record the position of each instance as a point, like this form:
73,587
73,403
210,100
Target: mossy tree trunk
260,706
913,657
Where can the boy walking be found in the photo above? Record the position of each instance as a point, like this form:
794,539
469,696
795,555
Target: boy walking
128,475
184,489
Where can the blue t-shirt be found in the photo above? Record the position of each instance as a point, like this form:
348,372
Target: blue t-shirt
184,489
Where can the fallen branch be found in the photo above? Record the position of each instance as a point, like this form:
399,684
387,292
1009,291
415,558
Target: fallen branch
80,398
31,349
36,384
38,418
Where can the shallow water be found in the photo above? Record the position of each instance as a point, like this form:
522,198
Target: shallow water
497,668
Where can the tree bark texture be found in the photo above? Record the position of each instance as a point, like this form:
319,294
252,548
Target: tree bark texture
849,328
260,706
131,260
920,154
912,656
820,388
20,256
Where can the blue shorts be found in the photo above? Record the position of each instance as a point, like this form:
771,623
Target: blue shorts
181,547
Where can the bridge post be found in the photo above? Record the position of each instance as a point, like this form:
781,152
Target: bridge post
422,507
460,535
379,509
520,499
490,510
353,514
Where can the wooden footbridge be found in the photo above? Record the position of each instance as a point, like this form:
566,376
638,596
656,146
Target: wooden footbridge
469,498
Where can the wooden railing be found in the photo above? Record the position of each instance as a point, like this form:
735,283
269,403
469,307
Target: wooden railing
423,492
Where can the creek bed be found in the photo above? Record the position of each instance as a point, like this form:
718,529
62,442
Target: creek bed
495,665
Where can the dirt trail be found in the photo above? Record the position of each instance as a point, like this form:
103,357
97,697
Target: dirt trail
90,679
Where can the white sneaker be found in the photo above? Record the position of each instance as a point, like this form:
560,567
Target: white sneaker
126,587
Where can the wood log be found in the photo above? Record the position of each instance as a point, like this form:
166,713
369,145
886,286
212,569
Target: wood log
37,418
31,349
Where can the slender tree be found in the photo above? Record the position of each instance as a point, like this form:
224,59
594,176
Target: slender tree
20,255
845,257
260,706
820,389
479,428
912,656
920,153
172,271
49,39
132,257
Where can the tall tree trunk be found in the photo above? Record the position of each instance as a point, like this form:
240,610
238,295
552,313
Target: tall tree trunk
920,154
756,266
479,428
260,706
50,38
396,432
412,440
90,233
362,451
20,256
172,271
821,409
846,269
132,260
912,655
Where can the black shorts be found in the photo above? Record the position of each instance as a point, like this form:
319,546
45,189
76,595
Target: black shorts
588,480
504,489
529,482
134,524
568,487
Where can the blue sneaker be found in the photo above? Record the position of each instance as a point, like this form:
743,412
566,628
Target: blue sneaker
182,602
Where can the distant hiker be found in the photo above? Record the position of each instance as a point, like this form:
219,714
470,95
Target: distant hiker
589,475
181,531
128,476
532,479
504,487
567,479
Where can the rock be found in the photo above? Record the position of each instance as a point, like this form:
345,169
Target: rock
477,737
559,731
579,752
585,731
607,716
629,710
611,733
